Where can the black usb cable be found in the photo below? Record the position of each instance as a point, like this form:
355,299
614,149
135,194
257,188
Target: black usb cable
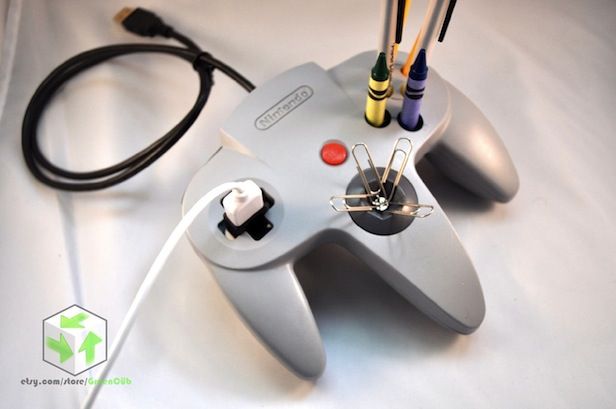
144,23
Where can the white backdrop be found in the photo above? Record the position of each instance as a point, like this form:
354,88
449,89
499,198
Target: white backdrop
543,73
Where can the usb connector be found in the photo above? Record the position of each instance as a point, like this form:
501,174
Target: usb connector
142,22
243,202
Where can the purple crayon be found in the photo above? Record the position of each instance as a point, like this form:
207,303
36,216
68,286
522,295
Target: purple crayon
409,118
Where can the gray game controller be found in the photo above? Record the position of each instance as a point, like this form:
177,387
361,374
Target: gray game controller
275,137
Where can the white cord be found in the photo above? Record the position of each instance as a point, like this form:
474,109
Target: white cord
151,278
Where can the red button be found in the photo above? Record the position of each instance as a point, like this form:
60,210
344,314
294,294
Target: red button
333,153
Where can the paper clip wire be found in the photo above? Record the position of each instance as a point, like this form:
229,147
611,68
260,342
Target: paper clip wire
348,208
405,158
411,209
362,175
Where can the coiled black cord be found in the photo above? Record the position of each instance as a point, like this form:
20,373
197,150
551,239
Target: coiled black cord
144,23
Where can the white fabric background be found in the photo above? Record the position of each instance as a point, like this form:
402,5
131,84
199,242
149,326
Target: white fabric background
543,73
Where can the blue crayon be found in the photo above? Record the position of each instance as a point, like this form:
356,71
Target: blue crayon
411,106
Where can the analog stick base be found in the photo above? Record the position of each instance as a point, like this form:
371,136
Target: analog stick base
375,221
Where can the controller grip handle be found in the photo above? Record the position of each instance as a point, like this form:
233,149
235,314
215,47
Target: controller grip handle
273,305
471,154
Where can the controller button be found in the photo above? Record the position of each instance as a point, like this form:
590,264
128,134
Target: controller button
334,153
